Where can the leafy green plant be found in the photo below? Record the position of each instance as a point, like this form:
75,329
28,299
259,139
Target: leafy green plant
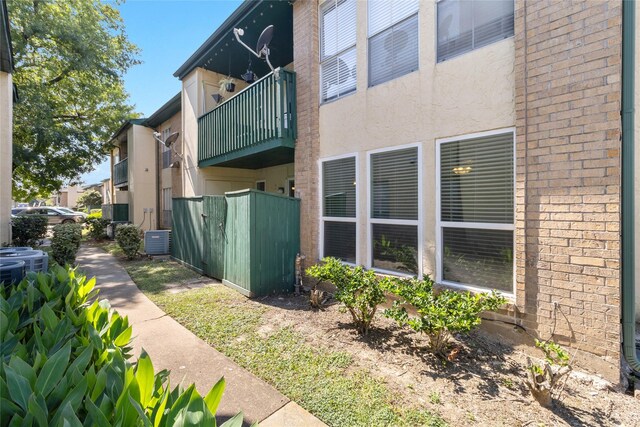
438,314
65,243
89,199
97,226
543,378
128,237
64,362
28,230
358,289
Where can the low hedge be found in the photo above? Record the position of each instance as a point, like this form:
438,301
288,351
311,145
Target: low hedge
28,230
97,226
65,362
129,238
65,243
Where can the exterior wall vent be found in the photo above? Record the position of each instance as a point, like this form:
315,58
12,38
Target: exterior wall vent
156,242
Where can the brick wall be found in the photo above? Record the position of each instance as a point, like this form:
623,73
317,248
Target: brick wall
568,70
305,60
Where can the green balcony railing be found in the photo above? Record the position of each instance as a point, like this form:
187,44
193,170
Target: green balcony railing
257,120
121,172
116,212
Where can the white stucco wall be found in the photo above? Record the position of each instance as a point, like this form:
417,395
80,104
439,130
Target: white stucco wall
6,152
471,93
142,176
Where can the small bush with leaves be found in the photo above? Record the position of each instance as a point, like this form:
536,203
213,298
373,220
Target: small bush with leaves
65,363
543,378
129,238
97,226
358,289
438,314
65,243
28,230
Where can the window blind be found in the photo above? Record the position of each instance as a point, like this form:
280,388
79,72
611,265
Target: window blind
464,25
476,180
337,48
340,240
394,51
338,188
385,13
394,184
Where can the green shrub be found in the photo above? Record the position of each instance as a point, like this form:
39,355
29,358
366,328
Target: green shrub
28,230
129,238
438,314
543,379
97,226
65,363
358,289
65,243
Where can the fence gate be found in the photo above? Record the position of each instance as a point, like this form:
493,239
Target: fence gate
215,239
187,232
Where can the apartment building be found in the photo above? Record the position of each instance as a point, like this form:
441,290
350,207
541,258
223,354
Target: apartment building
477,142
6,125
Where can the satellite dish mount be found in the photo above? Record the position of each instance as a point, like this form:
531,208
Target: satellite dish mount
262,47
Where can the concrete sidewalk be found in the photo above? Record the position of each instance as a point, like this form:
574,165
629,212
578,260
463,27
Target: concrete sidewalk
191,360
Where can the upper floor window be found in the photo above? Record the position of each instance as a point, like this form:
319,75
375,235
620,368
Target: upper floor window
166,151
393,39
337,48
465,25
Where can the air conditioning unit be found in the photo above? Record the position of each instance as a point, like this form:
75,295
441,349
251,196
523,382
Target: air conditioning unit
33,260
15,249
11,271
156,242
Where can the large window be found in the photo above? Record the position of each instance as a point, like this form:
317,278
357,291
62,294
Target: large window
394,211
166,151
339,208
465,25
166,207
337,48
476,219
393,39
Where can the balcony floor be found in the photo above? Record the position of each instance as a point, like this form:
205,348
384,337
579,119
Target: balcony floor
266,154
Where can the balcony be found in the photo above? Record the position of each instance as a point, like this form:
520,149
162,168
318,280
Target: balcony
120,173
254,129
116,212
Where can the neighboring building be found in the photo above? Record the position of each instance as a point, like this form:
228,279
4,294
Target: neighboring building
7,94
68,196
167,121
105,190
133,176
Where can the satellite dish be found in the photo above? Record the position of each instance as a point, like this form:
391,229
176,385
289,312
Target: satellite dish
262,47
343,71
171,139
264,40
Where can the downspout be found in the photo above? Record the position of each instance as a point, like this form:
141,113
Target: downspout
628,256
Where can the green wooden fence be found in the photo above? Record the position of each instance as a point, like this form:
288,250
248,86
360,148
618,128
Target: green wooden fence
116,212
248,239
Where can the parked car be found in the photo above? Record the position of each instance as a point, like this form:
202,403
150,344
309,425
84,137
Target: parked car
16,211
55,215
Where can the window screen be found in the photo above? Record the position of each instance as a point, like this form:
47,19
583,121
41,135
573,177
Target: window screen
339,208
337,48
476,215
393,39
464,25
394,210
476,179
394,184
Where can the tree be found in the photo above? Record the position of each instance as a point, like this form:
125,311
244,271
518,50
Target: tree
89,198
70,59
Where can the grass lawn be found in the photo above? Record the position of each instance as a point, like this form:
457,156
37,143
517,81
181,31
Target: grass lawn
324,381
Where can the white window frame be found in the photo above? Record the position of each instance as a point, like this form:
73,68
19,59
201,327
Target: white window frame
435,37
321,60
324,218
418,222
371,34
477,225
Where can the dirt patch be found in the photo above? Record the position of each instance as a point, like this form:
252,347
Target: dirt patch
482,386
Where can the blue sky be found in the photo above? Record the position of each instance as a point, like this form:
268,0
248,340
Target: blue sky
167,32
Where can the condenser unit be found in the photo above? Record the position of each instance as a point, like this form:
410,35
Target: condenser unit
156,242
34,260
11,271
